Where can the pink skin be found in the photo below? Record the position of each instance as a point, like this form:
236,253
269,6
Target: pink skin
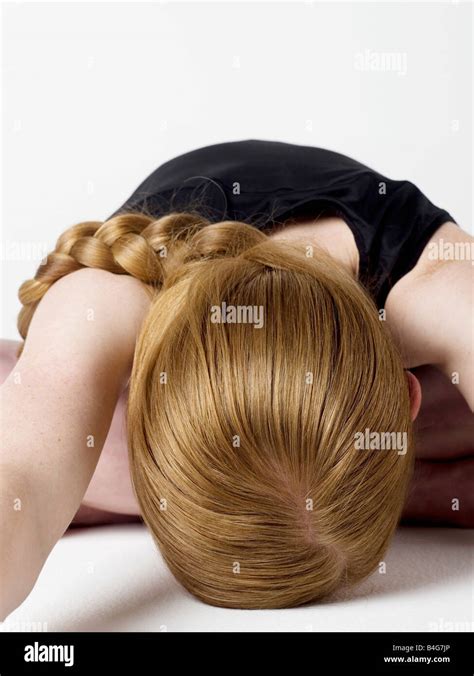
414,387
444,470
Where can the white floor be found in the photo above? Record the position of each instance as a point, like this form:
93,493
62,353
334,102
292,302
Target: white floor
113,579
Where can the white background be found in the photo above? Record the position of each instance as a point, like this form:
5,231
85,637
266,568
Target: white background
113,579
96,95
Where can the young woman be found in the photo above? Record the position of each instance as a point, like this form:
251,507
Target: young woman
234,343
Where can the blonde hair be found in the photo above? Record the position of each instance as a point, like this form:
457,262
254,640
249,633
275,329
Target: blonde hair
242,439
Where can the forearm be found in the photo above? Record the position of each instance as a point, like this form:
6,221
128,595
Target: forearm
22,554
20,549
40,494
56,408
48,458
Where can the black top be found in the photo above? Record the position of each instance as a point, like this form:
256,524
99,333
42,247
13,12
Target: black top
267,182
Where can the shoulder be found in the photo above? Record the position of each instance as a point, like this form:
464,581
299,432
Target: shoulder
448,253
429,310
329,232
449,248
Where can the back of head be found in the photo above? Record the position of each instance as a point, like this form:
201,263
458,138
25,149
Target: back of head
255,370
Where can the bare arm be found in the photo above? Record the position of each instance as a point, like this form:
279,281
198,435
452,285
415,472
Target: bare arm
430,312
56,408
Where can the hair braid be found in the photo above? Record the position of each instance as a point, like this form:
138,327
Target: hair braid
133,244
151,250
